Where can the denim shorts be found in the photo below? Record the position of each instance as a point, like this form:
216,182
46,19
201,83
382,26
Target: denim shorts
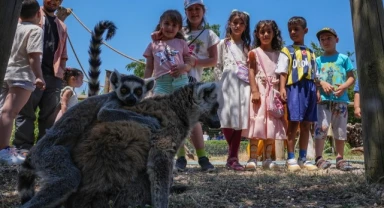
302,101
167,84
27,85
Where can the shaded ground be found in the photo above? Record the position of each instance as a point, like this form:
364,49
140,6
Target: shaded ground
224,188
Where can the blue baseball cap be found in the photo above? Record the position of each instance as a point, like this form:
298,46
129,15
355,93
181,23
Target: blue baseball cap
188,3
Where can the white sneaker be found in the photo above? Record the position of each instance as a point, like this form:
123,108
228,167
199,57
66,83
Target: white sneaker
307,165
292,165
269,164
251,164
9,156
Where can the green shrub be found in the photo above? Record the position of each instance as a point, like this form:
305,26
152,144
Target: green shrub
217,147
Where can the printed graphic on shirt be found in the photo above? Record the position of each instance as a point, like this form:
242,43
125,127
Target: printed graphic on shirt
332,74
195,47
168,54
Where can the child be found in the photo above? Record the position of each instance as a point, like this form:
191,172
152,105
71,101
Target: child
22,75
73,78
234,96
335,75
164,57
298,89
263,79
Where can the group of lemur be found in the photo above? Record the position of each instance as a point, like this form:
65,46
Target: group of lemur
115,147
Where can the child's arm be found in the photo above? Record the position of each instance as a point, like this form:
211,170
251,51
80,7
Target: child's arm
341,88
356,104
149,67
283,92
252,69
34,62
186,66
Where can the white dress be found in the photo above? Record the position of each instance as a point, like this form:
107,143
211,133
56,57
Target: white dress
73,99
235,93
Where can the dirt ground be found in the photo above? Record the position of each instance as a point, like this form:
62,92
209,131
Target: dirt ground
261,188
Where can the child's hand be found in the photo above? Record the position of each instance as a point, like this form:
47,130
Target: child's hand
328,88
283,95
177,70
191,60
157,35
40,83
255,97
340,90
357,112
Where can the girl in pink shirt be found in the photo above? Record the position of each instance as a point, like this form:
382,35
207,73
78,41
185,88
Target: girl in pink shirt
164,57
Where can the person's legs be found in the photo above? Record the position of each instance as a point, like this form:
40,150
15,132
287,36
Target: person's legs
49,104
252,161
12,100
25,122
267,155
321,130
233,138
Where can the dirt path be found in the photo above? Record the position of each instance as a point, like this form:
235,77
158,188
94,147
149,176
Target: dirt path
224,188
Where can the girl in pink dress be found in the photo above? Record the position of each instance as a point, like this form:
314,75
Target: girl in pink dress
263,79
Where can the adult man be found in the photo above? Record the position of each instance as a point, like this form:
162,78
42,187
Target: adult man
53,65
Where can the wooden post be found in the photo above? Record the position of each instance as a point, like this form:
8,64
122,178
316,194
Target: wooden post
368,27
107,83
9,16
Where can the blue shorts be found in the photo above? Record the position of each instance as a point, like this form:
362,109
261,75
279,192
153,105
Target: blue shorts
302,101
167,84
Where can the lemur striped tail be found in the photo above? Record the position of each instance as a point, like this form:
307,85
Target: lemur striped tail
94,54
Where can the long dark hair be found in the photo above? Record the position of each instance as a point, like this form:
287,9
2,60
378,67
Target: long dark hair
245,36
277,41
71,72
175,17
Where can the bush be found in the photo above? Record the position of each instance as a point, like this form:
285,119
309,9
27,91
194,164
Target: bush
217,147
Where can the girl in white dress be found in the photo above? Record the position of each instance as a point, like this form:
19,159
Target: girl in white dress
73,78
235,92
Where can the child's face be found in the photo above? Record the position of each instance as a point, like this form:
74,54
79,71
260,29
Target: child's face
297,32
169,28
266,34
78,81
195,14
237,26
328,41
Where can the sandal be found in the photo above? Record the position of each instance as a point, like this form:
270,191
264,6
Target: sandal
323,164
233,164
343,165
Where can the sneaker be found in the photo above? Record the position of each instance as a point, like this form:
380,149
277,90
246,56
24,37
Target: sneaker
268,164
292,165
181,164
343,165
233,164
323,164
9,156
205,164
251,164
306,165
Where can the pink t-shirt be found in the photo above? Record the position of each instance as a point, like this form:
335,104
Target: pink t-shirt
165,54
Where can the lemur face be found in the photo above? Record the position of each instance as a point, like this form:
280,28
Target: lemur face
130,89
206,100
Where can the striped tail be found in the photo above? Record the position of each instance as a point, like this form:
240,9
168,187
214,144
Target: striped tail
94,54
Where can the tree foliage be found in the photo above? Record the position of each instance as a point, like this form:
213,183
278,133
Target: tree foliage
137,68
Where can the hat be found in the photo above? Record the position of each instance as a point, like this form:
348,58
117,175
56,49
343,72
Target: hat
188,3
324,30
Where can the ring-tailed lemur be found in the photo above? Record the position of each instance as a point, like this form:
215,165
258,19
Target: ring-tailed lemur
50,158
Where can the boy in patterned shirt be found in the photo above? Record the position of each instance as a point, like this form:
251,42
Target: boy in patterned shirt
298,89
335,76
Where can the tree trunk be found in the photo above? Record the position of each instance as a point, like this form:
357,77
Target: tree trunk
368,27
9,15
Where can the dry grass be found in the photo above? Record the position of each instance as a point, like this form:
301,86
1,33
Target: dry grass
261,188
